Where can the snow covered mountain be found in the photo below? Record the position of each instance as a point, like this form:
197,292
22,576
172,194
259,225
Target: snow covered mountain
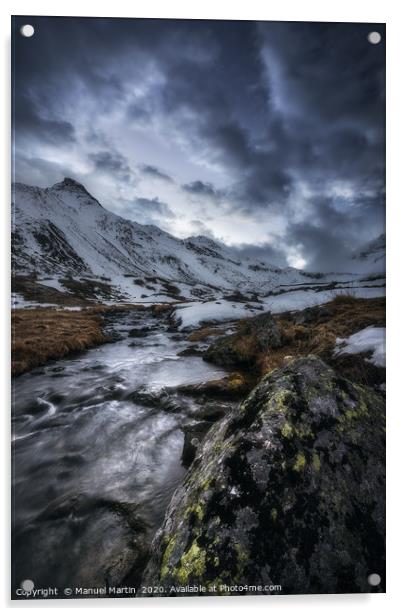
62,234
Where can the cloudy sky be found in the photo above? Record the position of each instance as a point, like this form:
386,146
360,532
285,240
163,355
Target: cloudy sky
267,136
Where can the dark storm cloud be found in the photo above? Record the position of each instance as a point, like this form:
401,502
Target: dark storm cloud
201,189
40,172
266,253
111,162
156,173
151,208
263,181
139,113
31,123
335,229
289,114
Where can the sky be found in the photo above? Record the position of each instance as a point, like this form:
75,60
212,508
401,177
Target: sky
267,136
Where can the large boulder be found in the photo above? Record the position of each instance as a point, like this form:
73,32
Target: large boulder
287,489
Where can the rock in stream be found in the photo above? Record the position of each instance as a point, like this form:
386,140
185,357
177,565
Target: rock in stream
287,489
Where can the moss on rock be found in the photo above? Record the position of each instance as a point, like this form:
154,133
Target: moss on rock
286,489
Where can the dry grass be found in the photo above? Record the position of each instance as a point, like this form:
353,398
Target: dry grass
317,335
161,308
44,334
40,335
205,332
310,331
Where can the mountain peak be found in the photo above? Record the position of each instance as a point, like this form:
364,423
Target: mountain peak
73,187
69,183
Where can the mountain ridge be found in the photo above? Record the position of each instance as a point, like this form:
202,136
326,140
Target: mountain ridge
64,231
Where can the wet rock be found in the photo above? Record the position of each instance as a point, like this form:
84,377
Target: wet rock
255,336
287,489
137,332
232,386
193,437
189,351
211,411
158,399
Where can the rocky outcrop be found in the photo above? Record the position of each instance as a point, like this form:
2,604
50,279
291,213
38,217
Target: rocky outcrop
254,336
287,489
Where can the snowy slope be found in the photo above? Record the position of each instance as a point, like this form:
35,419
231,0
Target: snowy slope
63,231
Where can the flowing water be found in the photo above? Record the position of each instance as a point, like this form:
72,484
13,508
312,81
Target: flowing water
97,451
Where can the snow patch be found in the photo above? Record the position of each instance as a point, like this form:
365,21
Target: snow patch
192,314
299,300
371,339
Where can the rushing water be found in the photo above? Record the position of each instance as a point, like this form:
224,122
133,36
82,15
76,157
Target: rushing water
95,460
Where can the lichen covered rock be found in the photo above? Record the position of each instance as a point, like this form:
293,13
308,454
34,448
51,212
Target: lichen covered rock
287,489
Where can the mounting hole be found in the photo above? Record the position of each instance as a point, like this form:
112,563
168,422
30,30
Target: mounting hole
374,38
27,585
27,30
374,579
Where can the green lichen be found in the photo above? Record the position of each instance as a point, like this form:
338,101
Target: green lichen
192,564
274,514
351,415
196,510
287,430
300,462
291,431
316,461
206,484
357,413
303,432
242,557
165,568
279,401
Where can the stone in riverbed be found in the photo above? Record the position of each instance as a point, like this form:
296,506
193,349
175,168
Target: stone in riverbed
286,489
255,336
232,386
190,351
139,332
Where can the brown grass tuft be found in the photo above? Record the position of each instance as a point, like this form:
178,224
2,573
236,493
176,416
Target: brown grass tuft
315,330
205,332
43,334
343,297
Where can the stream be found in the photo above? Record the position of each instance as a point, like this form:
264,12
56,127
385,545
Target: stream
97,446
